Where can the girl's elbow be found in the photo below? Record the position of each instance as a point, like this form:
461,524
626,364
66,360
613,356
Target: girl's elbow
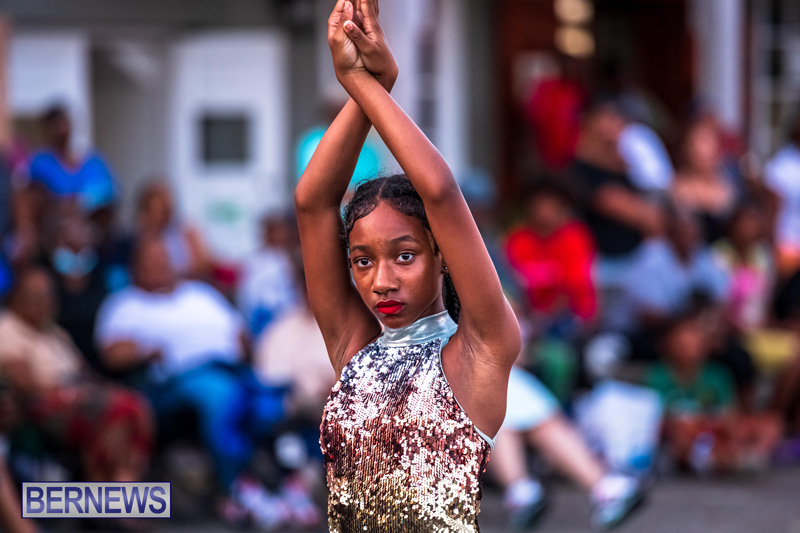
304,200
444,192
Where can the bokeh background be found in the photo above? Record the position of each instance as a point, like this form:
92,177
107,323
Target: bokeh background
634,166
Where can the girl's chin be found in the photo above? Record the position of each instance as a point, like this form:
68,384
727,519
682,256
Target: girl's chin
393,321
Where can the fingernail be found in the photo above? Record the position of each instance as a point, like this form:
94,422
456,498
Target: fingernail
348,25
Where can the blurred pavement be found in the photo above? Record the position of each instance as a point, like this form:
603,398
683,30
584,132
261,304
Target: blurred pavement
679,505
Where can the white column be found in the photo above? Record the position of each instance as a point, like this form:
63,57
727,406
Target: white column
403,23
719,33
451,119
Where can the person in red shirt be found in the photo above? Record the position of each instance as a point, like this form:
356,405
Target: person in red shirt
552,251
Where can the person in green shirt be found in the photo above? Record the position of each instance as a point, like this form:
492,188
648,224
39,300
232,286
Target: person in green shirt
703,428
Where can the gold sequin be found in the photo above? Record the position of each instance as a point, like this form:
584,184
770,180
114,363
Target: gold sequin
400,453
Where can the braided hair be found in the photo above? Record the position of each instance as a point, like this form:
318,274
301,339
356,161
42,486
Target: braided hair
400,194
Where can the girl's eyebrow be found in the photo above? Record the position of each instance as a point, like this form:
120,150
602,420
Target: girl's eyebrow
395,241
404,238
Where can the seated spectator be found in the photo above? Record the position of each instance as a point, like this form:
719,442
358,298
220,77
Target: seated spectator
80,281
682,274
701,185
675,269
533,419
552,253
67,176
155,217
702,428
616,212
190,344
781,174
292,352
109,427
746,257
268,286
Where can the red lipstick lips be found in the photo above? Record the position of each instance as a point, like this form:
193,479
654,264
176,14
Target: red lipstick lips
389,307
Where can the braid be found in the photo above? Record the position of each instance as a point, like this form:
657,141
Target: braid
395,190
450,296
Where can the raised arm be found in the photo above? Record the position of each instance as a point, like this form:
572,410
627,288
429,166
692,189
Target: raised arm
486,319
346,323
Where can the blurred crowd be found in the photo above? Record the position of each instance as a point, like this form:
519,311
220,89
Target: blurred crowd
664,257
118,345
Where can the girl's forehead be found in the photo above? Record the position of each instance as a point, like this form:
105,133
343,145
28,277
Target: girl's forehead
387,225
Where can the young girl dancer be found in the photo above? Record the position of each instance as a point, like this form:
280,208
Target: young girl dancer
406,430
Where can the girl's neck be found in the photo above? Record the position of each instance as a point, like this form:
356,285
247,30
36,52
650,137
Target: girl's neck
423,329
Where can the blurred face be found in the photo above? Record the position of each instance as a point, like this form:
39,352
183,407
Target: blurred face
57,131
684,234
152,269
278,233
686,345
395,269
703,149
35,300
75,234
747,229
156,212
605,125
546,214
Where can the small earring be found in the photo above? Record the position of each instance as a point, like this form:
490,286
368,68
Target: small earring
444,268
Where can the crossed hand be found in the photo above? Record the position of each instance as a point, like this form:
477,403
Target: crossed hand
357,42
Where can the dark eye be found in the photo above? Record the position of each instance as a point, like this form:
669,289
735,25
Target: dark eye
362,262
405,257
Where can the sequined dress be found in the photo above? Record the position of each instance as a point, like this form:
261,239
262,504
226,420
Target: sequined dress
401,455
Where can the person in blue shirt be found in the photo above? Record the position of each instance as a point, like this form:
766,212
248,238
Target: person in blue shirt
67,176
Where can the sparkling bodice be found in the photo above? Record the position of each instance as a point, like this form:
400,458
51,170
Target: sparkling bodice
401,455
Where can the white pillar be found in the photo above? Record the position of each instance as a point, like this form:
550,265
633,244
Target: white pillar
719,33
451,118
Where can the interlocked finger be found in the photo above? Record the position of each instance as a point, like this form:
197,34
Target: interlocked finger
335,20
370,12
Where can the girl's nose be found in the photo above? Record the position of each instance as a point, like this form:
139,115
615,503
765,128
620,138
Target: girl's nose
384,279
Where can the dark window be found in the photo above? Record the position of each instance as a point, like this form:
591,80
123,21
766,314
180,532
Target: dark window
225,139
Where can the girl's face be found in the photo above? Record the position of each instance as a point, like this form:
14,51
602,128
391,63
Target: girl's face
396,271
